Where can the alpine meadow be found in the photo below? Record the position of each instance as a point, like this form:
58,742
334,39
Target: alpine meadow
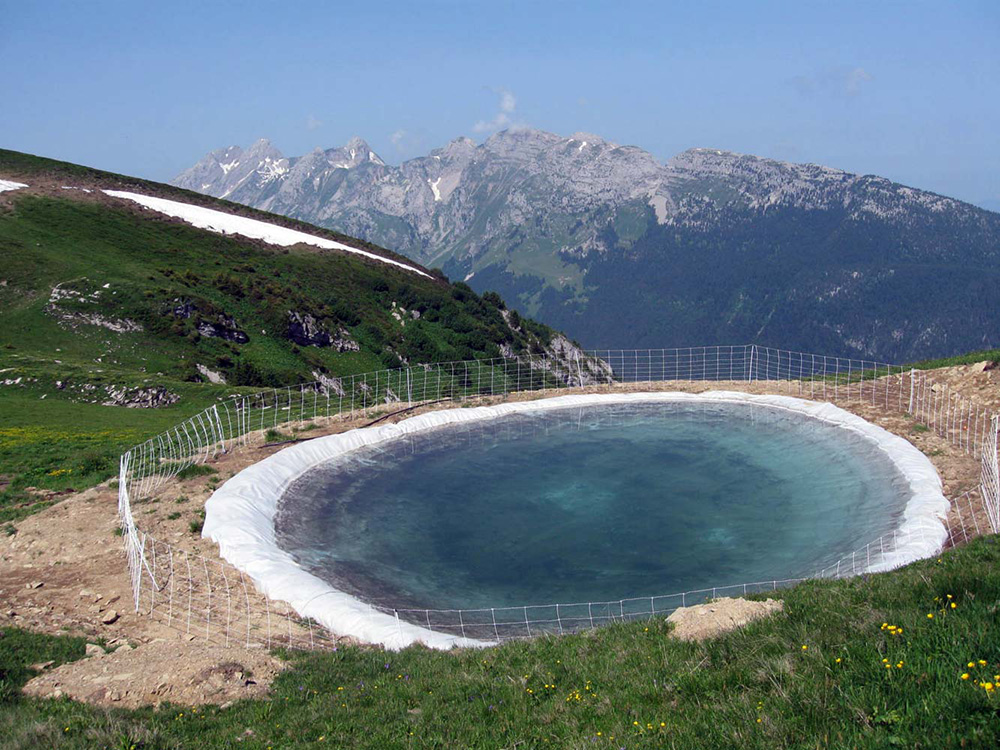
632,383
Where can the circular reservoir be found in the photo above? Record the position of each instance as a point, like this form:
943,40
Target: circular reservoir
588,503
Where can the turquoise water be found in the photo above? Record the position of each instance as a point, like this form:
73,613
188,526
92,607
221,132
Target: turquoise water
590,504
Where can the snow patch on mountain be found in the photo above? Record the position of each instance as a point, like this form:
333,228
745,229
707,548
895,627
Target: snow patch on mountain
6,185
434,188
223,223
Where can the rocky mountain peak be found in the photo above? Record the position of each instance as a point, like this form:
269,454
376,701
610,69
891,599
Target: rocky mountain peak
353,154
581,141
358,143
224,155
520,144
716,161
262,145
262,150
461,148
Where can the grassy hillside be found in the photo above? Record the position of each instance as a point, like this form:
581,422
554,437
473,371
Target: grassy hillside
827,672
102,300
27,168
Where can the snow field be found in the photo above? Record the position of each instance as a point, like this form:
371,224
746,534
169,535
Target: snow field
223,223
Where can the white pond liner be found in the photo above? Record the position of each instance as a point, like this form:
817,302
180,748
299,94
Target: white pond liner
240,514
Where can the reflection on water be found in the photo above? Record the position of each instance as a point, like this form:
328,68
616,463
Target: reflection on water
590,504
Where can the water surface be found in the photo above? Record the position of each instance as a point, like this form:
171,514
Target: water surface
590,503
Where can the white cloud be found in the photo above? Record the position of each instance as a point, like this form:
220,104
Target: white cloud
312,122
397,137
507,101
853,80
499,122
504,118
839,82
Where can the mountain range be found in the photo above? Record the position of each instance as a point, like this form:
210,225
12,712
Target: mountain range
618,249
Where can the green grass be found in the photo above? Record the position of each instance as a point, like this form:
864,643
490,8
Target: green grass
276,436
196,470
19,649
55,434
753,688
57,444
985,355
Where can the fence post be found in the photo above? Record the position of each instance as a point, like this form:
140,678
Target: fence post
990,484
399,627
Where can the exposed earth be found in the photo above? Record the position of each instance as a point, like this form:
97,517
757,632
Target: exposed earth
704,621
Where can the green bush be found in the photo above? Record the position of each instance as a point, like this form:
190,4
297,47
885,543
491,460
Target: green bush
195,470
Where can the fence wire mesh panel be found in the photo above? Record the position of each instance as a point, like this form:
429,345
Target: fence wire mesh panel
215,600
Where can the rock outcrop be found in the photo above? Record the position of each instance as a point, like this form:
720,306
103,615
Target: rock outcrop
305,330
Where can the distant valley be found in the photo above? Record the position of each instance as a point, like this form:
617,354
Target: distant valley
620,250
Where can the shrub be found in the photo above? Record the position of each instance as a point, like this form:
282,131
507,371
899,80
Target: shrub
276,436
495,300
95,462
195,470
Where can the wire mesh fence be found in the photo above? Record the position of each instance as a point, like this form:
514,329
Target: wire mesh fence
213,599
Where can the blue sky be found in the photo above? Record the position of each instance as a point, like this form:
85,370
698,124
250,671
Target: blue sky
906,90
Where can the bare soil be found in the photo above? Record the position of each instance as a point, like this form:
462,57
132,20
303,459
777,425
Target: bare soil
718,616
185,674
